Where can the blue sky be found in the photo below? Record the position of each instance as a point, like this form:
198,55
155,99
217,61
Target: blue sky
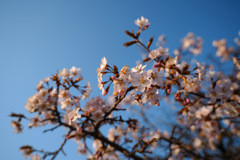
37,38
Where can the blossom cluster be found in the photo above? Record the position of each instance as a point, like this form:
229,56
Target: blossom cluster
147,83
204,107
222,50
48,97
207,112
194,45
96,108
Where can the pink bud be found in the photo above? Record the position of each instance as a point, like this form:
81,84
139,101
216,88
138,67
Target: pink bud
113,77
168,91
149,88
178,96
156,65
157,103
184,103
104,92
187,100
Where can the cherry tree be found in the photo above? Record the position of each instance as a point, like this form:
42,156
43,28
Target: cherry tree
206,116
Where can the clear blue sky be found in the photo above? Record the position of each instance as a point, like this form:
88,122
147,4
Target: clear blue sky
39,37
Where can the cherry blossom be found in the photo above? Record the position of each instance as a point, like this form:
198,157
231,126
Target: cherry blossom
73,115
103,64
140,81
64,73
204,104
143,22
75,72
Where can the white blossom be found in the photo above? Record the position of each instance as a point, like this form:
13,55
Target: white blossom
103,64
64,73
75,72
73,115
142,23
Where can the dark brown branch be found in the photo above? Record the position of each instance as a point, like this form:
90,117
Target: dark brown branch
145,145
99,136
114,107
59,149
143,45
51,129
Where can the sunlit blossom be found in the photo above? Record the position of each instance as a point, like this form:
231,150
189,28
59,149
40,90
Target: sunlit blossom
143,22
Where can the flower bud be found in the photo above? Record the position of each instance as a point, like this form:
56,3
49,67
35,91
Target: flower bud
149,88
187,100
157,103
113,77
168,89
104,92
177,96
156,65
